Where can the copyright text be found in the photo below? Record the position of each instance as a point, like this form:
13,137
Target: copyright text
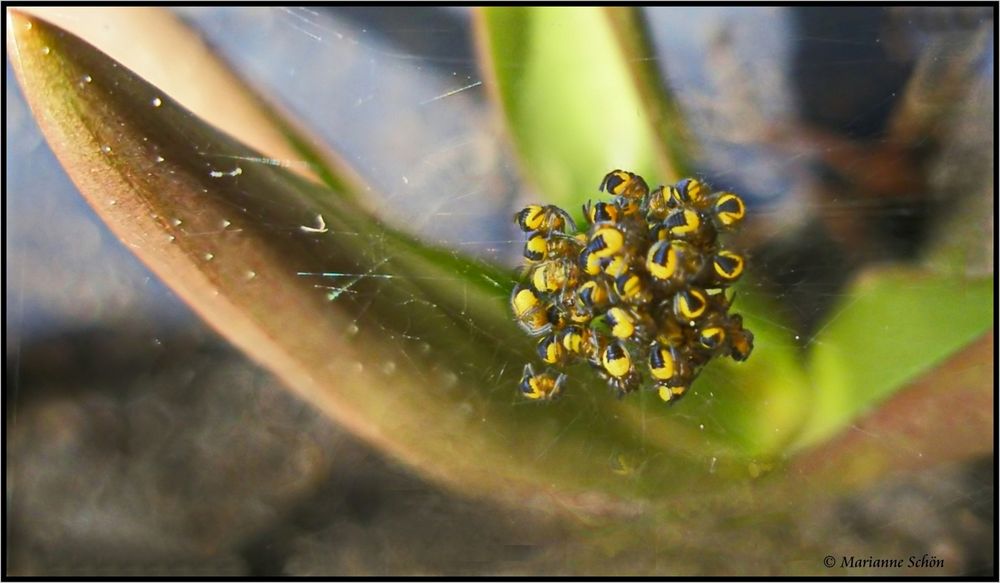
913,562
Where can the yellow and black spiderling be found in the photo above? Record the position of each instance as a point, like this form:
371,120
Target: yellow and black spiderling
590,263
658,204
727,266
690,304
541,386
550,350
578,341
688,191
536,247
687,225
632,289
729,210
662,363
593,295
554,276
605,242
622,324
661,261
602,213
640,293
529,310
543,218
543,245
670,393
624,183
711,337
616,360
740,339
615,266
617,368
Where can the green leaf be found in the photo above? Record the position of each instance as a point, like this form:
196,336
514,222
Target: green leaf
673,143
891,326
736,411
761,402
577,101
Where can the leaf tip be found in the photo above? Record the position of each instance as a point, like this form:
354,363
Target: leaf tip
18,23
16,17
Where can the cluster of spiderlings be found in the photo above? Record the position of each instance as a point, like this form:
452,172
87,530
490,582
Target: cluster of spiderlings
640,294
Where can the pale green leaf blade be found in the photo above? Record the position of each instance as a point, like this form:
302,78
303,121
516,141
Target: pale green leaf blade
673,143
569,99
891,326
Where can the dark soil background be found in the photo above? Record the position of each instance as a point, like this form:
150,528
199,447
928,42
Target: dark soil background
129,457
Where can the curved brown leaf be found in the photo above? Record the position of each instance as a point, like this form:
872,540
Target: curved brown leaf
160,48
409,346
